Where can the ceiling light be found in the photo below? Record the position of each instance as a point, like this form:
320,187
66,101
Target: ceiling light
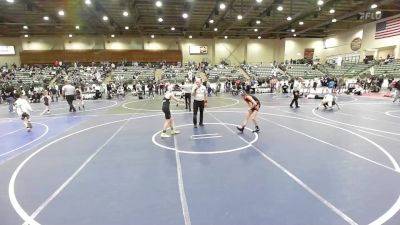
25,27
378,12
293,30
158,3
259,37
258,22
332,11
301,23
256,30
259,1
222,6
279,8
126,28
152,36
334,20
125,13
46,18
211,21
70,35
373,6
26,35
160,20
190,36
172,28
294,35
112,35
88,2
239,17
320,2
289,18
61,13
105,18
215,29
226,37
10,1
185,15
77,27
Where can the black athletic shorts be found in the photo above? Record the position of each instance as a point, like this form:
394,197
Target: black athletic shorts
166,111
25,115
256,108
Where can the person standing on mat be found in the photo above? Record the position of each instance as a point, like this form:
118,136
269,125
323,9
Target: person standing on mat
23,108
254,105
169,122
69,93
199,93
187,88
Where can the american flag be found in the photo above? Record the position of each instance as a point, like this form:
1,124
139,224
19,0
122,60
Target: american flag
388,28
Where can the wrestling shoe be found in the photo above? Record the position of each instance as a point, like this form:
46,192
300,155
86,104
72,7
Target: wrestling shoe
164,135
241,129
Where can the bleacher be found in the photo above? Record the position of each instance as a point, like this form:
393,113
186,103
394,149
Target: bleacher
38,76
138,73
335,71
178,74
303,70
223,73
391,68
260,71
357,69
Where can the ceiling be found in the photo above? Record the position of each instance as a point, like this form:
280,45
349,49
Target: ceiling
143,16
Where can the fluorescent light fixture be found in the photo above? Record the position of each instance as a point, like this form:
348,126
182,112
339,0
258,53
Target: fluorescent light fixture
256,30
222,6
46,18
185,15
332,11
190,36
211,21
215,29
279,8
320,2
126,28
25,27
88,2
160,20
158,3
239,17
374,6
70,35
61,13
172,28
378,12
289,18
259,37
112,35
226,37
26,35
105,18
152,36
334,20
301,23
125,13
77,27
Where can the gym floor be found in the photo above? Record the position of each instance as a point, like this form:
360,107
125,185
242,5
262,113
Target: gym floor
108,165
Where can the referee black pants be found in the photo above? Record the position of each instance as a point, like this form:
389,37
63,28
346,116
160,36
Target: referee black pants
70,99
196,106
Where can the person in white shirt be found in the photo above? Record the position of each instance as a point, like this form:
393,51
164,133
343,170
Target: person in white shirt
68,92
199,93
328,101
166,110
23,108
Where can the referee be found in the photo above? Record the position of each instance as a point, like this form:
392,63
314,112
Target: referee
69,93
199,93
